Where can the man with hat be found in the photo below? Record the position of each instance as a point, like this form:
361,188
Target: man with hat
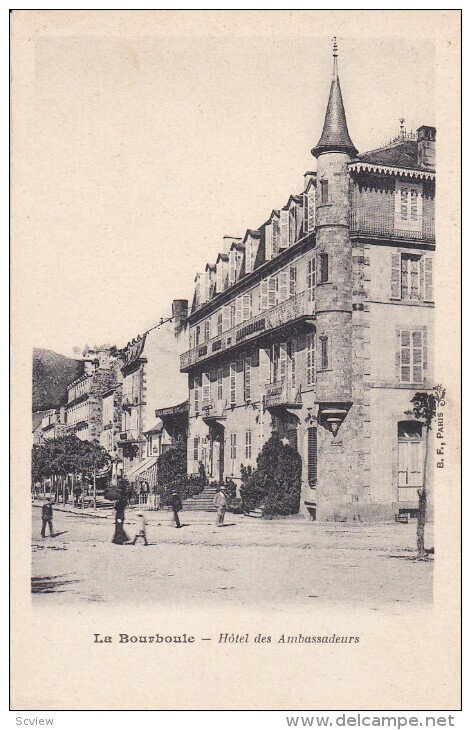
176,503
46,516
220,500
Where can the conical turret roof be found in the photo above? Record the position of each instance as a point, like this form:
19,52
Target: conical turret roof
335,136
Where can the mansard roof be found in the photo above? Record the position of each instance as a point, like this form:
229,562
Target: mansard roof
222,257
210,267
403,153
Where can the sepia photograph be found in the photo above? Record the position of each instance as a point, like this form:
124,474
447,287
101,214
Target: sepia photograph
232,325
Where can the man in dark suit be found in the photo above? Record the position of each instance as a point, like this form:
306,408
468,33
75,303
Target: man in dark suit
176,503
46,518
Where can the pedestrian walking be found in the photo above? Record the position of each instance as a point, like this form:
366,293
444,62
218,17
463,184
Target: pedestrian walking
46,515
120,536
176,503
141,534
220,501
77,495
202,472
144,492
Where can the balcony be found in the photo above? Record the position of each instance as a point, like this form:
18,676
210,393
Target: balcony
293,310
213,409
368,223
130,437
282,395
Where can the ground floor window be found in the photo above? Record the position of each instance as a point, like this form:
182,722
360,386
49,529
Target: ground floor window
312,456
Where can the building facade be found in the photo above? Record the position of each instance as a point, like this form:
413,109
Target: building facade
84,407
318,326
151,380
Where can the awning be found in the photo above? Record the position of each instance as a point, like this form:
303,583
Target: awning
140,468
156,428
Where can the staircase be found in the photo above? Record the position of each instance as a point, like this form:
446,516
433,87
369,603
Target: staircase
203,501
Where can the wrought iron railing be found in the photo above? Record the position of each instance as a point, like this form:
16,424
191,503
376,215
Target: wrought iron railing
385,226
288,311
281,394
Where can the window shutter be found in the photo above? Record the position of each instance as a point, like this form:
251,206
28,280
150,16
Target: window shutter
226,318
268,242
284,226
417,356
427,278
311,210
312,456
233,382
247,377
276,236
283,361
395,276
398,354
306,212
272,291
246,307
264,366
292,281
239,313
248,256
284,285
293,353
206,387
424,351
263,295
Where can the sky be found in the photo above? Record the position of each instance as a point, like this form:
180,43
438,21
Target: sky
143,151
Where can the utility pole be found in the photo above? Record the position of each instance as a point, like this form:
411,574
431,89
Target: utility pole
94,478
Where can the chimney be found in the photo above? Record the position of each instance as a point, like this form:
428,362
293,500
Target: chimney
426,147
179,314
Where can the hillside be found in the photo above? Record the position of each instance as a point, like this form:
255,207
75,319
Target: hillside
52,373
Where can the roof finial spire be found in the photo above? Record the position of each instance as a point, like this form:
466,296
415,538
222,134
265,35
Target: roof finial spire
335,136
402,133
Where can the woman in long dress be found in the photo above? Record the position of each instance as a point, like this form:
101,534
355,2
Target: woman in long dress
120,536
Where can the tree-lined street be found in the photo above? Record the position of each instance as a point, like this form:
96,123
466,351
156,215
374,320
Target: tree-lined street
249,561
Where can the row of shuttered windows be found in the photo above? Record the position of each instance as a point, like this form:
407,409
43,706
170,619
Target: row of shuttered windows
411,279
278,364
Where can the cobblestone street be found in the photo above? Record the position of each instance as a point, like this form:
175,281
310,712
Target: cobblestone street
247,562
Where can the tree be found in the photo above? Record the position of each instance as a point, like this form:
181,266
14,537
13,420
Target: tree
275,485
67,455
424,409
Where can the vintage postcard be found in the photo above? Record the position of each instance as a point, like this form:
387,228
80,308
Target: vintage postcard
235,360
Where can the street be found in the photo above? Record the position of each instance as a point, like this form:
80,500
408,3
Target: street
246,562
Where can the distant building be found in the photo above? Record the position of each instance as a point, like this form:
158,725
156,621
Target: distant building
84,407
318,326
53,425
150,378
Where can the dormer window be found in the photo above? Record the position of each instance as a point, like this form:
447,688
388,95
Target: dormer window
310,210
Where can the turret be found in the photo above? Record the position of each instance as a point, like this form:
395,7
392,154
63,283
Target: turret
334,261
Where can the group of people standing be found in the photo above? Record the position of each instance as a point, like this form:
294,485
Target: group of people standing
120,537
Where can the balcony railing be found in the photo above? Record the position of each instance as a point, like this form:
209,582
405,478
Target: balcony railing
282,394
130,437
211,408
289,311
385,226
